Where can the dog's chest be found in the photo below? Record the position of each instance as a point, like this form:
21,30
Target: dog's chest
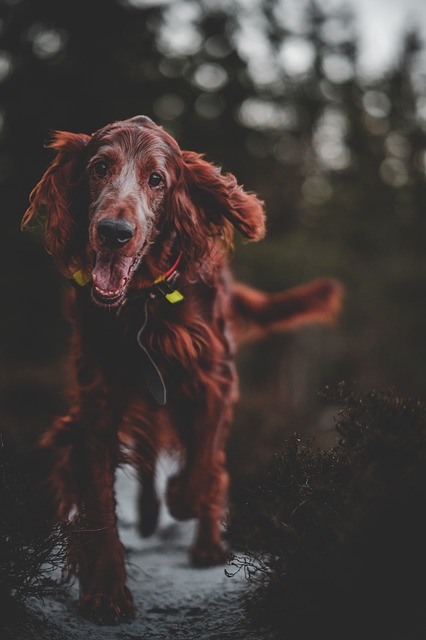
158,347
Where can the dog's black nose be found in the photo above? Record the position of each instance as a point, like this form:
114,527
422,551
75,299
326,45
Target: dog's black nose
114,232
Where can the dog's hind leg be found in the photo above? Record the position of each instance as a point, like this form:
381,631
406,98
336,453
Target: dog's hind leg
145,427
148,501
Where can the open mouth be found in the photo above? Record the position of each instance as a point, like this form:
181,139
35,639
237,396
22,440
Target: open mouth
111,276
108,298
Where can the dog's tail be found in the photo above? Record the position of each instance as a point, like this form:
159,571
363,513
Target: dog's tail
256,313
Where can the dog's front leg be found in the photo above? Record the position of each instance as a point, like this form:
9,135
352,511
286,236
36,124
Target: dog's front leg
86,450
105,596
209,468
199,490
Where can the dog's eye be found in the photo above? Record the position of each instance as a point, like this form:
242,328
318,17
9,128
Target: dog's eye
100,169
155,180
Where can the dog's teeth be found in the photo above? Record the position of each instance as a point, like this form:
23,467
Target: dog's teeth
94,277
123,282
108,294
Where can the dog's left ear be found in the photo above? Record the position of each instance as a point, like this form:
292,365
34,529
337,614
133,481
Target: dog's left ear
220,196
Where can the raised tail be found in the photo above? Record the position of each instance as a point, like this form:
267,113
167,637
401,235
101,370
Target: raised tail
256,313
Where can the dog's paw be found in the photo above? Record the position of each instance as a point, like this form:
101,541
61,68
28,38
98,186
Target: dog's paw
148,516
209,555
107,609
179,503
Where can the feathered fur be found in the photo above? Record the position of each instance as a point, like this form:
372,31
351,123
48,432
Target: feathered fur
121,207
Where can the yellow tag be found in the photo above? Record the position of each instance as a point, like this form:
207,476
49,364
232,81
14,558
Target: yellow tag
82,278
174,296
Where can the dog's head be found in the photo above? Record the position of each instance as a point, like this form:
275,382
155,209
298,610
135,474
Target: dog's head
113,199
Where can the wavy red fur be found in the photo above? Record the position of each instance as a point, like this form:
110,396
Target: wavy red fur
122,205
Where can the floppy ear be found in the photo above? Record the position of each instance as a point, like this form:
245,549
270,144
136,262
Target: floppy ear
221,198
55,195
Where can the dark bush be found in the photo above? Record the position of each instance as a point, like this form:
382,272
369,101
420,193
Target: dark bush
32,544
336,537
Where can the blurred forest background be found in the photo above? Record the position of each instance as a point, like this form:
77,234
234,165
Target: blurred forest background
339,159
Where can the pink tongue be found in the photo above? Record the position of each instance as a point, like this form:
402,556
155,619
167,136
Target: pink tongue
110,271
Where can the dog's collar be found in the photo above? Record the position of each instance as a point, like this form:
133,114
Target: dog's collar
81,277
162,286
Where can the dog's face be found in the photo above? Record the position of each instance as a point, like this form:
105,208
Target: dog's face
130,172
115,198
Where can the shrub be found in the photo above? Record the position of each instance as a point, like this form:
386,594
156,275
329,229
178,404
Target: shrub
334,539
32,544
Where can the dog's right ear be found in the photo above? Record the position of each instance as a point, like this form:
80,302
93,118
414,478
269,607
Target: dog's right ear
53,197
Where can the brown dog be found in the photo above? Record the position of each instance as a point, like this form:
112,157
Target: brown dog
143,228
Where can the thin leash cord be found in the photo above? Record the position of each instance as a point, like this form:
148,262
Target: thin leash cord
144,349
145,322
